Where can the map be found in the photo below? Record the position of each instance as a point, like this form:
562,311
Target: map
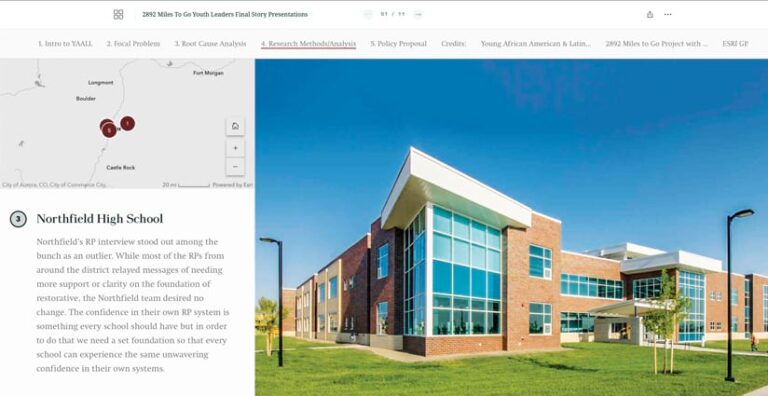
147,123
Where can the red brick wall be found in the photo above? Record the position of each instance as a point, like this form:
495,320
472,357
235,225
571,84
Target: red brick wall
628,280
390,288
457,344
354,262
289,304
758,281
717,311
521,289
576,264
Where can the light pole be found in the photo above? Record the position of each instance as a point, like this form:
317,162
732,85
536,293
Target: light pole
741,213
280,295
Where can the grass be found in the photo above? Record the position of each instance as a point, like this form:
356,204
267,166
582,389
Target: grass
738,345
590,368
288,343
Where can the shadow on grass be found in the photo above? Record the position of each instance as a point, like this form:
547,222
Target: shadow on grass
553,366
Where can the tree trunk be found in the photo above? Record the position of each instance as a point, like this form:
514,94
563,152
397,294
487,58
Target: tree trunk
672,352
655,358
672,359
664,369
268,346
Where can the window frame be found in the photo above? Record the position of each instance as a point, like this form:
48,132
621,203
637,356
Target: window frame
544,315
544,260
321,292
333,285
379,259
379,315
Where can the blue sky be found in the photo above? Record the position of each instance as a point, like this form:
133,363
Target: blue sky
653,152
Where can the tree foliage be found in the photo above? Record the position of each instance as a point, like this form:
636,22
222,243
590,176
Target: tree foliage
267,321
662,321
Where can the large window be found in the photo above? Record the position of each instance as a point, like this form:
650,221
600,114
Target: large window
646,288
321,323
747,306
584,286
540,319
540,262
576,322
333,325
333,287
765,307
382,310
466,275
415,281
734,295
382,264
692,286
321,292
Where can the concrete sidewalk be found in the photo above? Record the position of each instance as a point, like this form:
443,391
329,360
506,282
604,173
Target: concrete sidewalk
405,357
758,392
680,347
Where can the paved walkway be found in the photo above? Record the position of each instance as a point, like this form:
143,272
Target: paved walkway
712,350
759,392
317,347
405,357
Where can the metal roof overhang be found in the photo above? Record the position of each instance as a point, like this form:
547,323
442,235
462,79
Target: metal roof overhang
424,179
625,309
680,259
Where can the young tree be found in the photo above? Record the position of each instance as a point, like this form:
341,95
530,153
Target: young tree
673,309
267,321
653,323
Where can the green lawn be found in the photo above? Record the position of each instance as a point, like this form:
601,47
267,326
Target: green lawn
590,368
288,342
738,345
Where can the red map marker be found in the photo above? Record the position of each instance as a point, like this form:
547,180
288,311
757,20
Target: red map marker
127,123
109,130
104,121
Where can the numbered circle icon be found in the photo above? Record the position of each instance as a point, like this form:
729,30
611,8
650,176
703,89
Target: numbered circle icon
18,219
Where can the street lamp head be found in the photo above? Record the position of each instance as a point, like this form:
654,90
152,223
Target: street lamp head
743,213
269,240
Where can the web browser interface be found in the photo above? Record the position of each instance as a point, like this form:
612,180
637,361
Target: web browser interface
173,173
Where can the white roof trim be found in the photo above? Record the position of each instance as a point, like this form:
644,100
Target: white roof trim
425,179
589,256
626,308
627,247
679,259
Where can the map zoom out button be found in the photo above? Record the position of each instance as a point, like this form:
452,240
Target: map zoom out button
235,166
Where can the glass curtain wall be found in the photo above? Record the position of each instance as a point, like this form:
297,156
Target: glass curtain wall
414,271
692,286
466,275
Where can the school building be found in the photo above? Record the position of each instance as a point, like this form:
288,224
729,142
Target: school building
454,266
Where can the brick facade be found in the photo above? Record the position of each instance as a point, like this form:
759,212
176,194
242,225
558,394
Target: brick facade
305,310
387,289
758,282
717,311
578,264
462,344
354,291
289,305
520,288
